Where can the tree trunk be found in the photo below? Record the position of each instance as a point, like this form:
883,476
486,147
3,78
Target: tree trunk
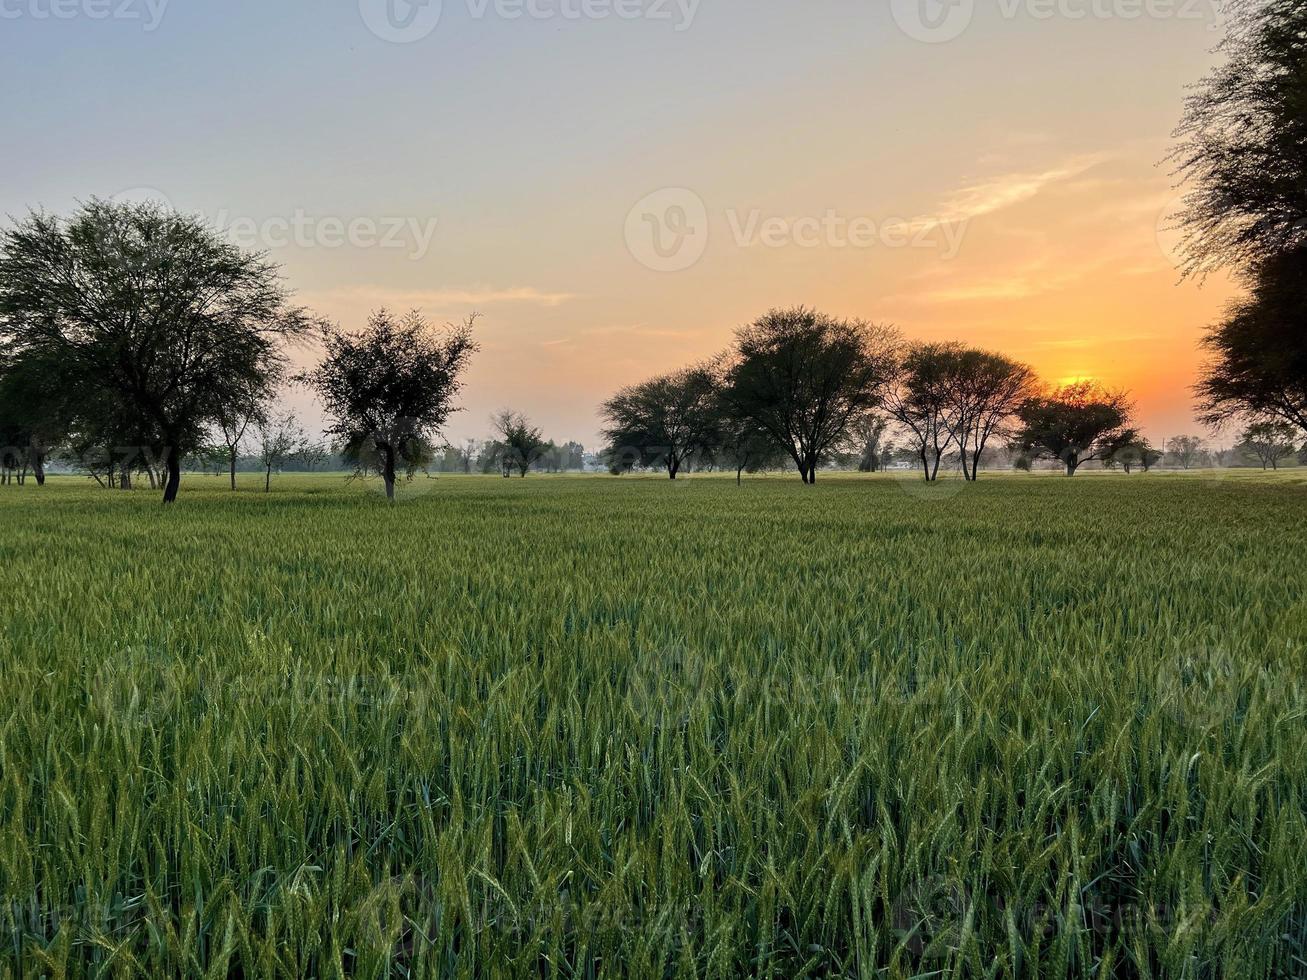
38,469
174,468
1071,466
267,481
232,465
125,478
388,471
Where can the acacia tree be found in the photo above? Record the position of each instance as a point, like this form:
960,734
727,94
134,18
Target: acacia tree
921,400
985,391
35,413
666,421
868,439
1187,451
238,412
1270,442
742,444
1074,424
805,378
390,387
149,316
1240,143
1128,450
520,444
1258,365
1240,149
280,438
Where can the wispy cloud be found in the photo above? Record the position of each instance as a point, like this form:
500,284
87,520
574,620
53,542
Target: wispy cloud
637,330
442,298
986,197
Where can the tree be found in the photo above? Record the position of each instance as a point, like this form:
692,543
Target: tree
238,411
921,400
574,456
1240,147
390,387
984,393
745,446
1240,143
149,315
35,413
313,455
805,378
520,444
666,421
1271,442
868,436
280,438
1074,425
1258,365
1186,451
1128,450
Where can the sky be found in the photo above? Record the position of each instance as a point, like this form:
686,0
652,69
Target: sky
617,185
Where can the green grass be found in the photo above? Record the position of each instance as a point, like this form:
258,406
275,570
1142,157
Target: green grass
594,727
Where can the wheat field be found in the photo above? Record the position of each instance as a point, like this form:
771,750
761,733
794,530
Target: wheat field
598,727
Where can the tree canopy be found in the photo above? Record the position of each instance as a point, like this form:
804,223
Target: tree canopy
1075,424
666,421
390,387
805,378
148,318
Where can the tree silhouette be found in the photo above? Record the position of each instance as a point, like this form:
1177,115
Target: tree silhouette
149,316
390,387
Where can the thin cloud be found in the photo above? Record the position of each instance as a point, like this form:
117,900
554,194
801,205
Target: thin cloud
441,298
987,197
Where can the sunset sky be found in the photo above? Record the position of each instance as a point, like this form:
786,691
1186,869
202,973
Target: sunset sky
992,173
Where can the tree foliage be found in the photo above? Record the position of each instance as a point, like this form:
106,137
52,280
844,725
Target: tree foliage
1270,442
520,445
1242,144
1075,424
390,387
1258,363
805,378
666,421
149,317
